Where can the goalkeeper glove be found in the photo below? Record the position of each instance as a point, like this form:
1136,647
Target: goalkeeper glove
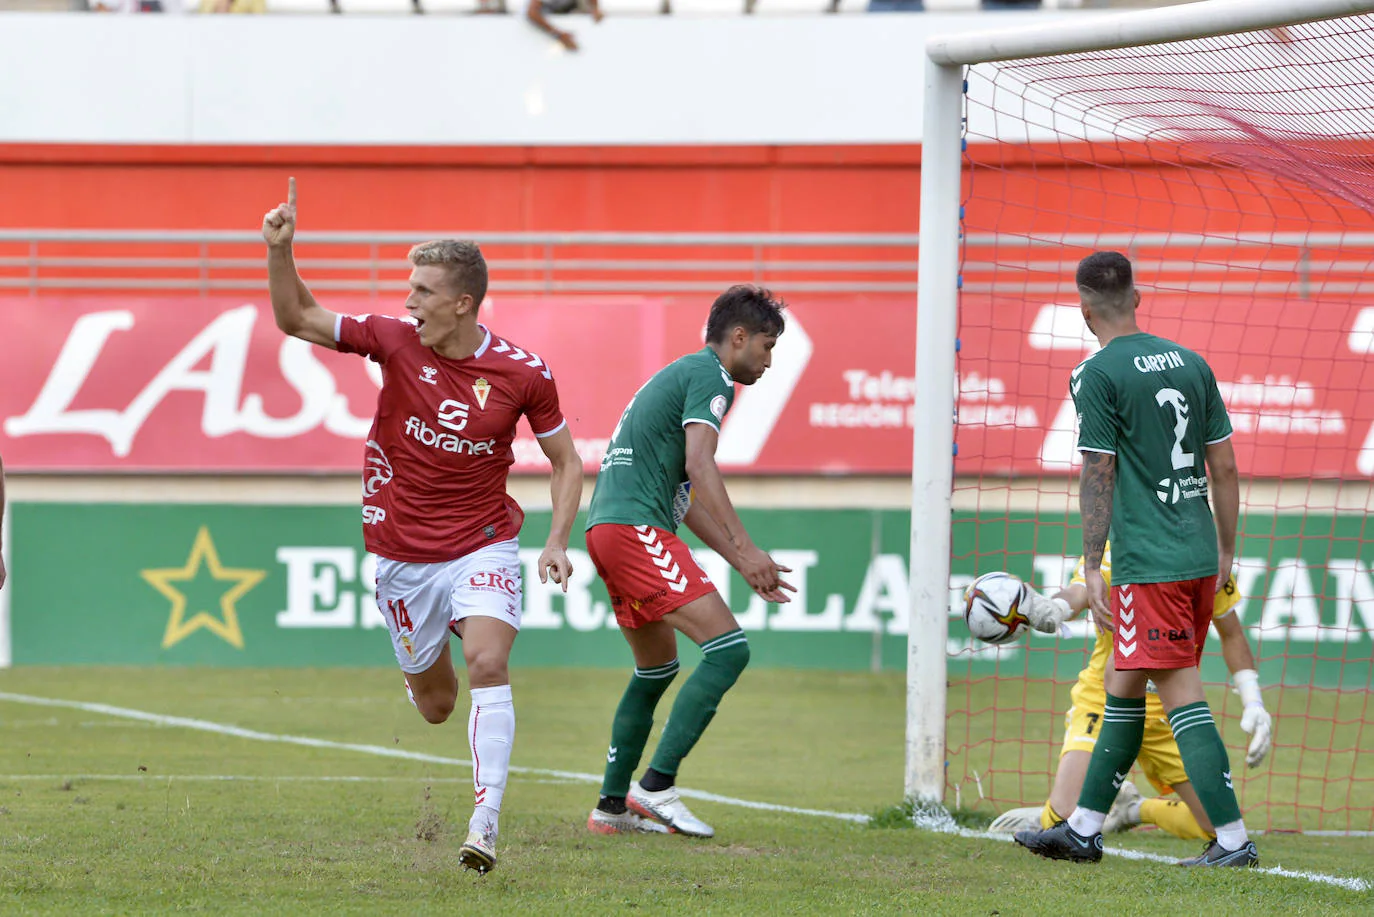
1045,615
1255,720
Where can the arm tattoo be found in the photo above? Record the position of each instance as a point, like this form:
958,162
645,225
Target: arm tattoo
1095,488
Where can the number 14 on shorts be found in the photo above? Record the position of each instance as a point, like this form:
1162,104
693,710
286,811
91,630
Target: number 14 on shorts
397,609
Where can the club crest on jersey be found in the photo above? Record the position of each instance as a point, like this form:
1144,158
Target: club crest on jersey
481,388
427,374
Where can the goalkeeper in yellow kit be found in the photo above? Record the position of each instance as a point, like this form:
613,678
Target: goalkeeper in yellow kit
1159,758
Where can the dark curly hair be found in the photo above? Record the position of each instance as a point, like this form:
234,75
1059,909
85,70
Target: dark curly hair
747,306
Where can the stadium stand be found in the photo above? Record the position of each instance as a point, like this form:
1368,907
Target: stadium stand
609,7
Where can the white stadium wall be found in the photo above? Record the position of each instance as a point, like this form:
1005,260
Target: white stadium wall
469,80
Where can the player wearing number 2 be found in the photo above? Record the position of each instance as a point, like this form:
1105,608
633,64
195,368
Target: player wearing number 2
435,508
1150,415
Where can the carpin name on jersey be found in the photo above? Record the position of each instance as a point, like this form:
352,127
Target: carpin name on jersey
1158,362
448,442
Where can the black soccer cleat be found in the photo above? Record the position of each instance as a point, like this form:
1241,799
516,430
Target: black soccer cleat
1217,855
1062,843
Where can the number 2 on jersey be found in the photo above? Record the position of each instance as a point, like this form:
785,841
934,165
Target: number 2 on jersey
1173,397
397,607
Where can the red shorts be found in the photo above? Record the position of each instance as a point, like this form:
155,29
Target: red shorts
1162,625
648,571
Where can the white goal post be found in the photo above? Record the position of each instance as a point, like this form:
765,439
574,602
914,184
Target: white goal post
938,291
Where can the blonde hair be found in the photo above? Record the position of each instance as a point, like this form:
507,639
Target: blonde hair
466,268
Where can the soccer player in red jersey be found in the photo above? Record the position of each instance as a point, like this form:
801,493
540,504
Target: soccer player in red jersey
435,508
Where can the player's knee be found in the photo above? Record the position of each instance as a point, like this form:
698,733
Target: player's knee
487,667
743,657
731,660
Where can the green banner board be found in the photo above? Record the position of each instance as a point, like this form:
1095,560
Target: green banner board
220,584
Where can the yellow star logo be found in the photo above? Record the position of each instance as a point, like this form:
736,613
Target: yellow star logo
203,552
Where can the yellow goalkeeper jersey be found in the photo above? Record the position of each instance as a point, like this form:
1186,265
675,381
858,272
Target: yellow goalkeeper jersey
1091,677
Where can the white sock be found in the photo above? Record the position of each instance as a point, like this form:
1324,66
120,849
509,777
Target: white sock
491,732
1087,822
1233,835
409,693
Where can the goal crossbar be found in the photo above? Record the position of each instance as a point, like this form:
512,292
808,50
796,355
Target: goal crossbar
1128,30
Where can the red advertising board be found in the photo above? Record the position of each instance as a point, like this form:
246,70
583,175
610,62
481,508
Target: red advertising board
146,383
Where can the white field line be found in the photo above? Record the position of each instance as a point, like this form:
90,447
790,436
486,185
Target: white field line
1354,885
385,752
249,778
944,825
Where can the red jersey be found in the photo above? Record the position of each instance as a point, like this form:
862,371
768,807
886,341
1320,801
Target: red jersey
434,472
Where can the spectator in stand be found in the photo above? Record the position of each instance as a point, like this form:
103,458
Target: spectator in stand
537,8
130,6
916,6
233,6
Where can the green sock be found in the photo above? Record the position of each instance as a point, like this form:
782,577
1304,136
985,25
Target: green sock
634,719
722,661
1123,729
1205,761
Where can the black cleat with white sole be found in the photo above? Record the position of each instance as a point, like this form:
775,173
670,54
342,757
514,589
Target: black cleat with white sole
1217,855
1062,843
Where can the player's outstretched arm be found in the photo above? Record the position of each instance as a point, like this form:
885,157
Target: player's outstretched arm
1047,615
1224,486
714,537
708,489
565,486
1240,660
294,308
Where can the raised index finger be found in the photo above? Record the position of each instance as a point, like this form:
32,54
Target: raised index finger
291,192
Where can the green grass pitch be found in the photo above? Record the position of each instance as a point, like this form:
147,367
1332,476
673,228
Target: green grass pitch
104,814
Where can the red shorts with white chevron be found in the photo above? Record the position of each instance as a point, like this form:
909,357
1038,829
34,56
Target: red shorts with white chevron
1162,625
648,571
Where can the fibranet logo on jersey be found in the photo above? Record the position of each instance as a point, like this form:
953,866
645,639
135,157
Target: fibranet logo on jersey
448,442
453,414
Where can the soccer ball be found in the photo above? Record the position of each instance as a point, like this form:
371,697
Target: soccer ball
992,607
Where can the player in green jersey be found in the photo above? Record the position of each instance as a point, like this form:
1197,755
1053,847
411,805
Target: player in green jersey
1152,426
658,472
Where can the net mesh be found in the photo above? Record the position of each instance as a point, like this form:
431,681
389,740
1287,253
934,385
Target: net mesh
1237,173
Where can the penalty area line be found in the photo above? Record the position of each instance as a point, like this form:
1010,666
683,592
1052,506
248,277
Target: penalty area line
245,778
382,751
